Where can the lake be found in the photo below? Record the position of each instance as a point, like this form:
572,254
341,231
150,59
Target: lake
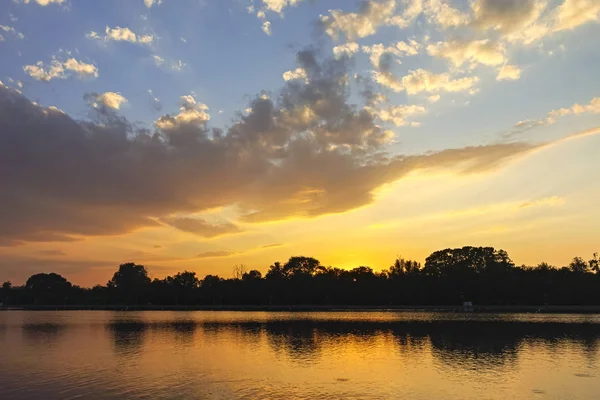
285,355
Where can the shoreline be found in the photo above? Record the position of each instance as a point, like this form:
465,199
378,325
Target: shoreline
571,309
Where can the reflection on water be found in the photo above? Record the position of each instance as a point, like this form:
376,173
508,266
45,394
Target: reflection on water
225,355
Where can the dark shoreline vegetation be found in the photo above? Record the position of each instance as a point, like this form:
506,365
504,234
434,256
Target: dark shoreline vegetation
450,277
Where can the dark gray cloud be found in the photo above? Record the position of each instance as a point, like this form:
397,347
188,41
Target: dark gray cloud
200,227
268,246
215,254
505,15
52,253
306,152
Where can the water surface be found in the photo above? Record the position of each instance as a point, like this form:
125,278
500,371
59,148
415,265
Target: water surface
319,355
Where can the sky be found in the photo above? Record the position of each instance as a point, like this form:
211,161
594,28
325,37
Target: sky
199,135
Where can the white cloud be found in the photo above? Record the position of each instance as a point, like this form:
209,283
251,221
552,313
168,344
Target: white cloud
346,49
108,99
509,72
45,73
388,80
190,112
266,28
400,49
398,115
59,70
361,24
413,9
120,34
80,68
178,66
593,107
44,2
475,52
434,98
443,14
573,13
278,5
10,29
298,73
145,39
150,3
158,59
421,80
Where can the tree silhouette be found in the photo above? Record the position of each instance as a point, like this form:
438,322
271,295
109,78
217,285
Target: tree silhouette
483,275
184,280
253,275
595,263
578,265
48,288
130,282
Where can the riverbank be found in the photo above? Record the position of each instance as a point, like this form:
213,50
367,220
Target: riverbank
580,309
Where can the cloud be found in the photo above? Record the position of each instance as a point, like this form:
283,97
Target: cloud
150,3
434,98
43,2
442,13
420,80
215,254
269,246
509,72
548,201
119,34
376,13
108,99
200,227
356,25
60,70
158,60
278,5
190,113
266,28
573,13
52,253
178,66
156,104
593,107
11,30
484,52
346,49
307,153
413,9
18,268
377,51
398,115
80,68
39,72
506,16
298,73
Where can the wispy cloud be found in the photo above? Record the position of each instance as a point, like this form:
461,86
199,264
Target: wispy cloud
119,34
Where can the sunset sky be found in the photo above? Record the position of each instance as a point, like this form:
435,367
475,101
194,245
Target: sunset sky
200,134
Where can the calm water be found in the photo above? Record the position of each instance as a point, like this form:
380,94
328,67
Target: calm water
324,355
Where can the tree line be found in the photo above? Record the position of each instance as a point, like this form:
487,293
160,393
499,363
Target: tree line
482,275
